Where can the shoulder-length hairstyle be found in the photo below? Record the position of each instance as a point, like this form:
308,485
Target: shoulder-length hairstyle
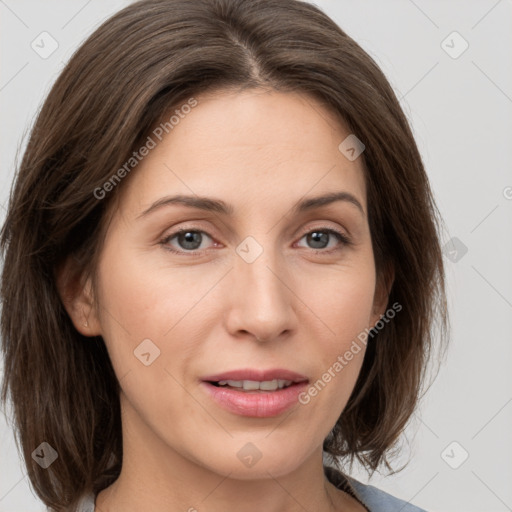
138,66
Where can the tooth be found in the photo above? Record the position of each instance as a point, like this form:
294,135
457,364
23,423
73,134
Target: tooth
251,384
269,385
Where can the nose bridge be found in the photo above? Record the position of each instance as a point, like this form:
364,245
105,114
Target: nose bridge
261,300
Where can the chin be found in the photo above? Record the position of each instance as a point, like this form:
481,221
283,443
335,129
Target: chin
258,459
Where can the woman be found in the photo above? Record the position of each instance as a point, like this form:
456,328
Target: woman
221,267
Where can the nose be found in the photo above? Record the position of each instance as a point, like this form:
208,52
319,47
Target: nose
261,302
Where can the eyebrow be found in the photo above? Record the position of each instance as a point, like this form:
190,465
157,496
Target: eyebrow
219,206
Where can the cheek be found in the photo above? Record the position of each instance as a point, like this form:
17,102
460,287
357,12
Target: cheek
143,298
349,308
145,325
343,307
152,314
136,306
342,299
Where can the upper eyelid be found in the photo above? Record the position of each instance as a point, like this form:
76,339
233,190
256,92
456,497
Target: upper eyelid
329,216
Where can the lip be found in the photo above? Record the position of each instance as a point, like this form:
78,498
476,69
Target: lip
255,404
254,374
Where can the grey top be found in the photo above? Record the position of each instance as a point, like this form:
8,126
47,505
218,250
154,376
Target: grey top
373,499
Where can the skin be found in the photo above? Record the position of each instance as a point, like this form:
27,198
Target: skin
261,152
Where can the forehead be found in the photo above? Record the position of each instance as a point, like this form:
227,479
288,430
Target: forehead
267,146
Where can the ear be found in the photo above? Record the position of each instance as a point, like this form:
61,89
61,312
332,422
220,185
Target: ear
78,298
382,290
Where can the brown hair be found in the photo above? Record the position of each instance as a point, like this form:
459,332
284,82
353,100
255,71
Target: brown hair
147,59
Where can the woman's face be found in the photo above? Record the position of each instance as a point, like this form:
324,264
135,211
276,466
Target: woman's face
257,287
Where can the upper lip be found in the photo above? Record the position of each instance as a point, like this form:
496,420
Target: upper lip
256,375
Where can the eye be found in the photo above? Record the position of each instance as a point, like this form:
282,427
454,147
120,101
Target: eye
319,238
188,240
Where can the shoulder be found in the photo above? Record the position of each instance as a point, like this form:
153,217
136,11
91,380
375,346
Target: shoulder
379,501
371,497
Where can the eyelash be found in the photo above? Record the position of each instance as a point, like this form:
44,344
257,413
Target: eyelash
345,241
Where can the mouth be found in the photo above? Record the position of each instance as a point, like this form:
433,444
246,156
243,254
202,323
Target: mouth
255,393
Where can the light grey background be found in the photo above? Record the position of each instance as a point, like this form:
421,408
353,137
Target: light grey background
461,111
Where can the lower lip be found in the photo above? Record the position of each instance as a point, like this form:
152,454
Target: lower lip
256,404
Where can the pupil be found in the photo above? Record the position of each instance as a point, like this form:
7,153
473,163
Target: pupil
188,238
318,237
